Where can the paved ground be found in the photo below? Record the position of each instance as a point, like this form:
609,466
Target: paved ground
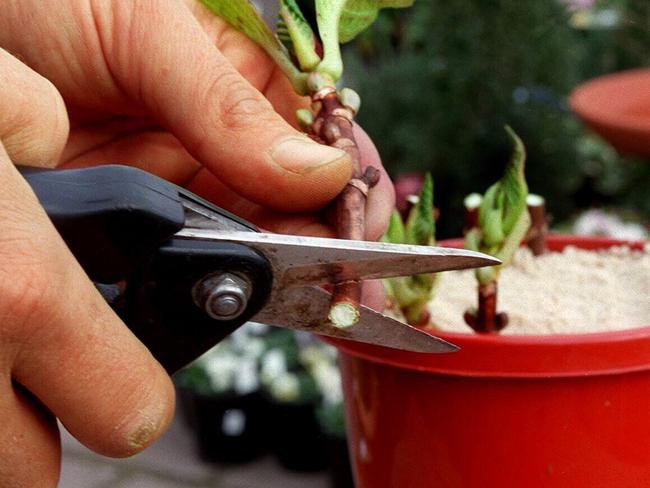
172,463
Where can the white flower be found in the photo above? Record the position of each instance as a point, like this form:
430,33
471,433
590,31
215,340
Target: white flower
600,223
328,379
239,338
312,355
221,370
245,376
274,365
331,352
253,348
256,329
286,388
579,4
304,339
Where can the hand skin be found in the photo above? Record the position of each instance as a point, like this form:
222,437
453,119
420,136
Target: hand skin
165,86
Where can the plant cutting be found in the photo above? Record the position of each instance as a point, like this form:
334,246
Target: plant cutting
412,294
503,222
495,224
311,60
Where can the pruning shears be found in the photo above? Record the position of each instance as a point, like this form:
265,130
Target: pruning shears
183,273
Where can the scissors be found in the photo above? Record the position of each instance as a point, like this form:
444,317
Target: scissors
183,274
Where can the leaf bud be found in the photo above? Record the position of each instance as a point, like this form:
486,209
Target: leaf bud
317,81
473,201
535,200
305,119
350,99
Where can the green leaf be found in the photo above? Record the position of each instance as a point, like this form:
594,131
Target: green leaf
403,291
513,241
505,201
395,3
328,14
473,239
340,21
421,225
413,293
243,16
303,41
423,281
358,15
491,216
503,215
388,289
514,187
507,250
395,232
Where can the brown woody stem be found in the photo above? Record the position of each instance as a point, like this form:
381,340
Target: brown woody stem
536,237
333,126
486,319
472,204
471,219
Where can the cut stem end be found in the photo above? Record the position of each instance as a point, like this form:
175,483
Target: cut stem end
344,315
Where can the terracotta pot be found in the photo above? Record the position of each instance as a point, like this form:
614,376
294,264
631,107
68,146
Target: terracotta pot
617,107
504,411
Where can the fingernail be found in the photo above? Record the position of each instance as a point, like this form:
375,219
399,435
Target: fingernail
151,418
302,155
143,435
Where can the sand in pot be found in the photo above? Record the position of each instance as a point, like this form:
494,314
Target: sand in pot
571,292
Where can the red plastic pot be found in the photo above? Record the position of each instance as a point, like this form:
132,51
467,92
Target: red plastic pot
504,411
617,106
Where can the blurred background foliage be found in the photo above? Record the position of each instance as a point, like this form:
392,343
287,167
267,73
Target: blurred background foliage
440,80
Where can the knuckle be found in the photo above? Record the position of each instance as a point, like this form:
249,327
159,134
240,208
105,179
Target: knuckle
37,128
240,106
57,122
22,293
26,277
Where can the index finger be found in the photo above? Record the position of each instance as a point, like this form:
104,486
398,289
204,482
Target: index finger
217,114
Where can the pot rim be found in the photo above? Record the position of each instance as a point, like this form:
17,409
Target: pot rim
588,97
526,356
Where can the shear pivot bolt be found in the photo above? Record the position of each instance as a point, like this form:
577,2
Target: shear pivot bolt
223,296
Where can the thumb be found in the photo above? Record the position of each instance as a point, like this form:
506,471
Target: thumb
220,117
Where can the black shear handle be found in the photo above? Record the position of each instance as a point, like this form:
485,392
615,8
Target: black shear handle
111,217
120,222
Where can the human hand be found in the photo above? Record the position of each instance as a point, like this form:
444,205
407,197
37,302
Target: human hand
63,351
144,85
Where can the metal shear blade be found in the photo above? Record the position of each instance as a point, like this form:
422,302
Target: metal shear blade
306,308
300,263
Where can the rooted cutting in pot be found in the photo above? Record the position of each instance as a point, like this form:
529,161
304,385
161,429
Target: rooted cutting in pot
503,221
570,292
